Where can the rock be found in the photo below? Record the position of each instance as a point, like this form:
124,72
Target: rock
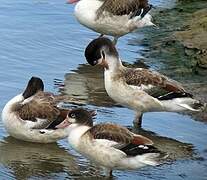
194,38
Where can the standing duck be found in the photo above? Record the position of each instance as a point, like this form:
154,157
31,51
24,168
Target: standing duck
113,17
109,145
33,114
142,90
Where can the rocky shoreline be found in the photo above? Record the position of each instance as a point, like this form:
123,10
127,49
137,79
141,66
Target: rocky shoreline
179,46
194,38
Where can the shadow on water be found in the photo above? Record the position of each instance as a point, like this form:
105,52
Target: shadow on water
26,160
86,85
174,148
40,40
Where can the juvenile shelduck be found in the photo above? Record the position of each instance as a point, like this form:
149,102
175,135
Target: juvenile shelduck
109,145
139,89
33,115
113,17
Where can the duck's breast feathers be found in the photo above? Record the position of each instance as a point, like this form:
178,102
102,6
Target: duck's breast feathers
154,83
118,134
40,110
125,7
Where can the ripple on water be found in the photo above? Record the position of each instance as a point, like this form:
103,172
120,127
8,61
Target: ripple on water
43,38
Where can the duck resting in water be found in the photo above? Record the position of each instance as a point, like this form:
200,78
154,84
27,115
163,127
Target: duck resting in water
33,114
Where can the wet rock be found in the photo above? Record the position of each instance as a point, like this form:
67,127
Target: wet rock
194,38
178,48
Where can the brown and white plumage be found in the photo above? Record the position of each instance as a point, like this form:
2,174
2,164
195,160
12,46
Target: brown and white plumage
117,133
33,115
113,17
152,82
123,7
142,90
43,106
109,145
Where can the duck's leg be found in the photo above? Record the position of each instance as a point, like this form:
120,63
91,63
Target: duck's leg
138,119
108,173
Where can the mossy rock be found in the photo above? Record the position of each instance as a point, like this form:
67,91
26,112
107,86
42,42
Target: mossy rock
195,37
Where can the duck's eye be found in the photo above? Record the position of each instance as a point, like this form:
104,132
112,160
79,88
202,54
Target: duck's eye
72,115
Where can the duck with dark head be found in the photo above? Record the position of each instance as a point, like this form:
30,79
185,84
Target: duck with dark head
33,114
110,145
140,89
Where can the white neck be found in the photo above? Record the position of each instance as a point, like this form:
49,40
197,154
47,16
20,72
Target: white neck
75,131
9,106
114,63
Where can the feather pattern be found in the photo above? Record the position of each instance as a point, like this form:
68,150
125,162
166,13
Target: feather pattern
34,114
41,108
154,83
117,133
123,7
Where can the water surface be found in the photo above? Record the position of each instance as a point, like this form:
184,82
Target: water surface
42,38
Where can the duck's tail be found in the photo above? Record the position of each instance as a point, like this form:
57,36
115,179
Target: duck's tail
145,21
152,159
187,102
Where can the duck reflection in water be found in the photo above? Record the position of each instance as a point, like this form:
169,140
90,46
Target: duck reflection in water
86,85
27,160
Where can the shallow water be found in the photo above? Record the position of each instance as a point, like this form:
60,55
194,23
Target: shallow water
42,38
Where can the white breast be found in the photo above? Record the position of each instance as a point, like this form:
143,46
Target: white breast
85,12
75,133
133,98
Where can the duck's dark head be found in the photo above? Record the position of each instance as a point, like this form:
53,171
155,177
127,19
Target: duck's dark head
78,116
34,85
99,51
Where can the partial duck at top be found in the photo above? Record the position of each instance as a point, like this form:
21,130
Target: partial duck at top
33,115
113,17
142,90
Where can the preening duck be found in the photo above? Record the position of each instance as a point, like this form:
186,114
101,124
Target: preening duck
113,17
109,145
33,114
142,90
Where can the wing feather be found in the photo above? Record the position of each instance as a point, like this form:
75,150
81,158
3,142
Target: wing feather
116,133
124,7
40,109
120,138
153,83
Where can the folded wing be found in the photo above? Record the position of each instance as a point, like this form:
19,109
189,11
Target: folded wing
41,110
155,84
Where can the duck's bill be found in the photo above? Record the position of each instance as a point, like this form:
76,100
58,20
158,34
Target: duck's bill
72,1
63,124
